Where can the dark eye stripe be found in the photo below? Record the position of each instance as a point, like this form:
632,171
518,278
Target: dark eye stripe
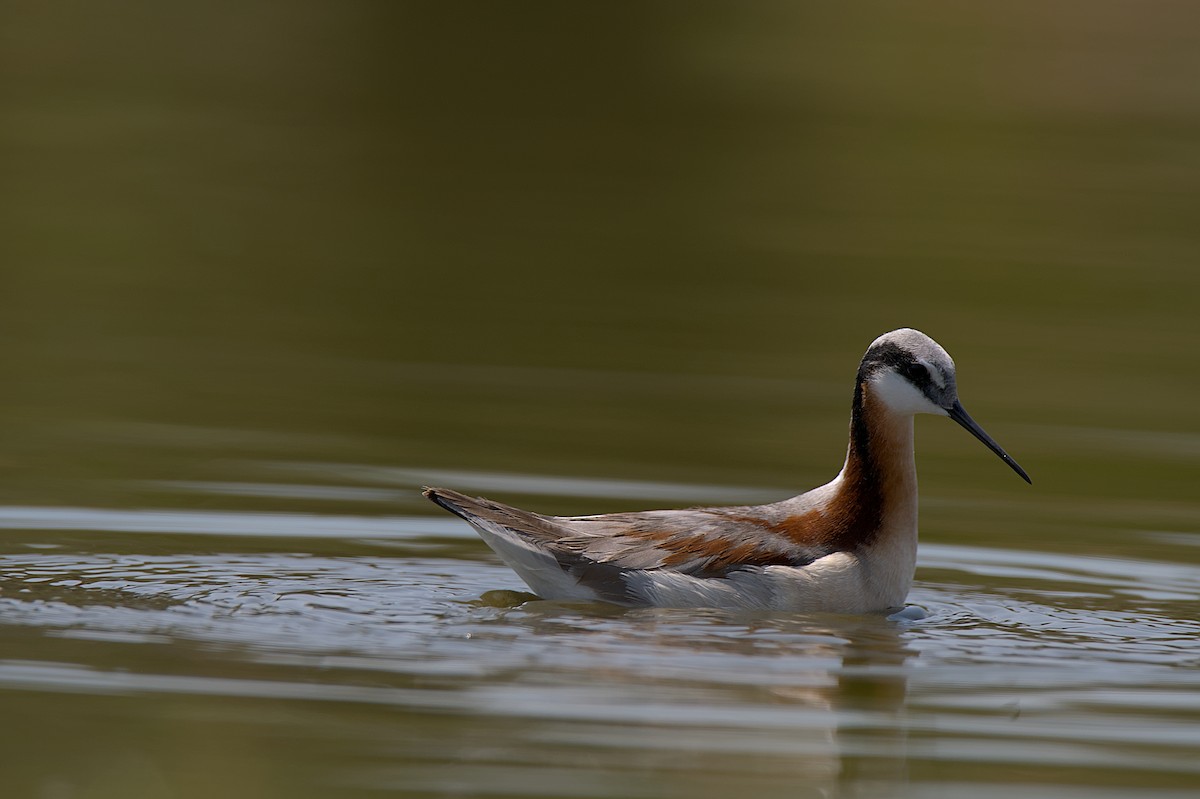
916,372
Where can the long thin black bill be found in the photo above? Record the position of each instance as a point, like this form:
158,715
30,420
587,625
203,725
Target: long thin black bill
960,415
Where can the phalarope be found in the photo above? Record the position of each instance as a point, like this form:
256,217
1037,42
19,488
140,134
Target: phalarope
849,546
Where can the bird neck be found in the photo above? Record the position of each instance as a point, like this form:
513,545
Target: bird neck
879,479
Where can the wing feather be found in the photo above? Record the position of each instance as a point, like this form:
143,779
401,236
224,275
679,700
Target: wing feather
700,542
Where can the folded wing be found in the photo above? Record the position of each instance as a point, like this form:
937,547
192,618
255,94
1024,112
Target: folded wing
597,553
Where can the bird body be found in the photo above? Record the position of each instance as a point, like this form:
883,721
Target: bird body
848,546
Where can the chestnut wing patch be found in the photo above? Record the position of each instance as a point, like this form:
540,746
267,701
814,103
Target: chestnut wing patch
700,543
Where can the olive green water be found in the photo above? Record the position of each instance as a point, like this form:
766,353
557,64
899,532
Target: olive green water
268,267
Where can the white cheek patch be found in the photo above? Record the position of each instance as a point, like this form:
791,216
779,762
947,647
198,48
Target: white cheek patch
901,396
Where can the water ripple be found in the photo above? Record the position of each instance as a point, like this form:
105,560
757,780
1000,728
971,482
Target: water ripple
1022,658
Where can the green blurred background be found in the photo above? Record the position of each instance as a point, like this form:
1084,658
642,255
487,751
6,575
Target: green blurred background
645,240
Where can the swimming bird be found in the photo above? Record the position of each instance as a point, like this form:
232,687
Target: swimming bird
849,546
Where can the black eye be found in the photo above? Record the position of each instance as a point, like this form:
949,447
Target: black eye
915,372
